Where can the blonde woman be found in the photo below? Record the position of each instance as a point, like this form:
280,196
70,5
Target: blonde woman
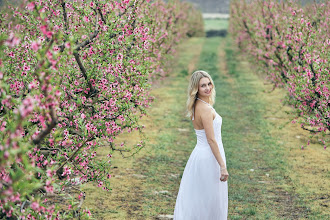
203,192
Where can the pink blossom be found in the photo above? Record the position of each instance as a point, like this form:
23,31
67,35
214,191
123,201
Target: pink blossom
11,54
67,45
67,171
43,29
119,56
35,206
3,126
26,107
31,6
6,155
12,41
86,19
49,173
49,187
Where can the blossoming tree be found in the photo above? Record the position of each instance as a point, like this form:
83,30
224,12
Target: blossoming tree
74,75
291,44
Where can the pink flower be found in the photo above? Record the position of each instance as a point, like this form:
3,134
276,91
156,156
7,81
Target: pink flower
26,107
35,46
83,116
120,56
30,6
86,19
67,45
26,67
49,34
12,41
67,171
35,206
6,155
49,188
58,93
11,54
49,173
43,29
3,126
88,212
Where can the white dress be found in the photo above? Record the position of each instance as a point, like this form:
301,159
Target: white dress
202,196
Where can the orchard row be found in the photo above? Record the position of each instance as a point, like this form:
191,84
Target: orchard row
74,75
290,44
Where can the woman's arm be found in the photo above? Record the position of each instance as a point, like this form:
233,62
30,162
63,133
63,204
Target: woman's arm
207,121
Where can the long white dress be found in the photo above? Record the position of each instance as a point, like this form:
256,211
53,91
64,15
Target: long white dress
202,196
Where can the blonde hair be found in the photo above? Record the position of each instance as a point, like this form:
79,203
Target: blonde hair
193,90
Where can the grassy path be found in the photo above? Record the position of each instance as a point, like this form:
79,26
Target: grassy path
268,178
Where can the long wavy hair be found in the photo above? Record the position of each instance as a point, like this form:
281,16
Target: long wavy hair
193,90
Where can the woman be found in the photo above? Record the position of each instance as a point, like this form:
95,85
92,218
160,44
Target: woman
203,193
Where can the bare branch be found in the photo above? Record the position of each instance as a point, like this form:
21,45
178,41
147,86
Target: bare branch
312,131
99,10
66,27
82,69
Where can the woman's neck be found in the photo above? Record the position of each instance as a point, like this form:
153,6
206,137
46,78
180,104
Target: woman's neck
205,99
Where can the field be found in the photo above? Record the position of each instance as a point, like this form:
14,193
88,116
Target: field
271,177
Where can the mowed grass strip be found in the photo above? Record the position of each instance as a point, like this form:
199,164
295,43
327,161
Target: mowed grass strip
259,189
299,189
245,193
146,185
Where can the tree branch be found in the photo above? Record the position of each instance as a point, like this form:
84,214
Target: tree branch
49,128
83,70
66,27
74,154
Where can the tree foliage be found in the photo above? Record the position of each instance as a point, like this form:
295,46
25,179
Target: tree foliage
291,45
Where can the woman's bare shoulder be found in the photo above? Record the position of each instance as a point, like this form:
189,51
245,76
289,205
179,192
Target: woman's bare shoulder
203,108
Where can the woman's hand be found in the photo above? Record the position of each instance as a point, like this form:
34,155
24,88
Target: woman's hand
223,174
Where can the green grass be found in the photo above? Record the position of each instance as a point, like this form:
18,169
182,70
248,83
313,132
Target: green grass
215,24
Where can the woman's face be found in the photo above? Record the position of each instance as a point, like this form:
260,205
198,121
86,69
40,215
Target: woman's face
205,87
